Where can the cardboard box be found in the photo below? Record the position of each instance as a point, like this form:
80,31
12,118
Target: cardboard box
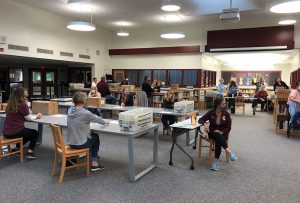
45,107
3,106
96,102
174,86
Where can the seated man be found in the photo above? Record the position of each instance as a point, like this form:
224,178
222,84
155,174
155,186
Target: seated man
262,97
79,134
103,88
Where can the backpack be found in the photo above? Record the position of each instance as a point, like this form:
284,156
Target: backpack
296,120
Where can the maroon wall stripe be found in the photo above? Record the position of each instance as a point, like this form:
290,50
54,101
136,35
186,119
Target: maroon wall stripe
252,37
156,50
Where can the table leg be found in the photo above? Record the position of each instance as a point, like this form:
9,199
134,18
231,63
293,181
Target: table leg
132,176
40,130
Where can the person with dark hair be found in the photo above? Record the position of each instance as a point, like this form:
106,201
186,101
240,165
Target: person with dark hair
126,98
146,87
103,88
259,82
168,103
232,92
79,135
17,112
94,83
218,129
280,83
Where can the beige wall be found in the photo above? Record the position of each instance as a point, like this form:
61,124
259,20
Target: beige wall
35,28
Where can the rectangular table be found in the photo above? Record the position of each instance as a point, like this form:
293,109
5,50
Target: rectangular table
179,129
155,110
61,120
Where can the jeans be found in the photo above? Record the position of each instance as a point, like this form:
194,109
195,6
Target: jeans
110,99
27,135
93,143
168,120
94,111
220,141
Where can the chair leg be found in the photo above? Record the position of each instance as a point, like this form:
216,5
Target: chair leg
8,151
210,153
63,169
21,151
55,164
77,159
199,147
88,164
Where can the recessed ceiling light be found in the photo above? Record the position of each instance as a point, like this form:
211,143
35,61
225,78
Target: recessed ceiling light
287,22
173,35
123,33
80,5
287,6
170,5
81,26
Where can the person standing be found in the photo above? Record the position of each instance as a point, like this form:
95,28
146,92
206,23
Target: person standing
94,83
17,112
146,87
232,92
103,88
218,130
220,88
279,83
79,135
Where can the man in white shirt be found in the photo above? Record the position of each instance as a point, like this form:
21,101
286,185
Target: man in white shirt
94,83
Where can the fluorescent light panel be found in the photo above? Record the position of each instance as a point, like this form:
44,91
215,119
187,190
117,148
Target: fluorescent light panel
287,6
249,48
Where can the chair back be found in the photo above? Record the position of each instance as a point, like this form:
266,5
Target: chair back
58,138
239,101
141,98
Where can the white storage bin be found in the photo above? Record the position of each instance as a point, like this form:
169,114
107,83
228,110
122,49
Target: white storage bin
184,106
136,119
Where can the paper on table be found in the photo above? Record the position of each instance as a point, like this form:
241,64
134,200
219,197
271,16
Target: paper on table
59,115
114,122
118,107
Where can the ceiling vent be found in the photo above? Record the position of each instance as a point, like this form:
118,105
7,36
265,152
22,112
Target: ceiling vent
17,47
3,39
44,51
69,54
83,56
230,15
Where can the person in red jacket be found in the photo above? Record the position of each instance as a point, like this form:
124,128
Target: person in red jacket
261,97
218,129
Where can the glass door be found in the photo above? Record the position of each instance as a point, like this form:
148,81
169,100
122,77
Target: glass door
42,84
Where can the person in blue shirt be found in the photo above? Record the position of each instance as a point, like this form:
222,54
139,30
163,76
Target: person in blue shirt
221,88
232,92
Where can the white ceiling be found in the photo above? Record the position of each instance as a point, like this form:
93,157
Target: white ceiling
145,13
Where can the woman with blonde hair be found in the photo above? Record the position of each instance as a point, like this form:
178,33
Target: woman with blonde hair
17,112
168,103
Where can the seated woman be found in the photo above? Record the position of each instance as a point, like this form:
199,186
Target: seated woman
79,134
94,93
168,103
262,97
17,112
126,98
218,129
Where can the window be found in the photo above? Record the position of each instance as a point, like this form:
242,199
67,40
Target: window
175,77
160,75
190,77
142,74
132,76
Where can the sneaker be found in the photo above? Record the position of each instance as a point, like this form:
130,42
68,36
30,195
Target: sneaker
97,168
30,155
215,166
232,156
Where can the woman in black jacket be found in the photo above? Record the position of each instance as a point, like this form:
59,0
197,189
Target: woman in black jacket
168,103
280,83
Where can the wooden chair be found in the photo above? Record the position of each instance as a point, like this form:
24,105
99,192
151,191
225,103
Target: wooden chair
67,153
8,142
210,146
239,101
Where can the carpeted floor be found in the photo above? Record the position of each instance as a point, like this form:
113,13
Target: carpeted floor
267,170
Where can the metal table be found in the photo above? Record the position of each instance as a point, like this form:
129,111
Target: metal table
179,129
113,128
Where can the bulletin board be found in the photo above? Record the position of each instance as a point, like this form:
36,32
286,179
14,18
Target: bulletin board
244,78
